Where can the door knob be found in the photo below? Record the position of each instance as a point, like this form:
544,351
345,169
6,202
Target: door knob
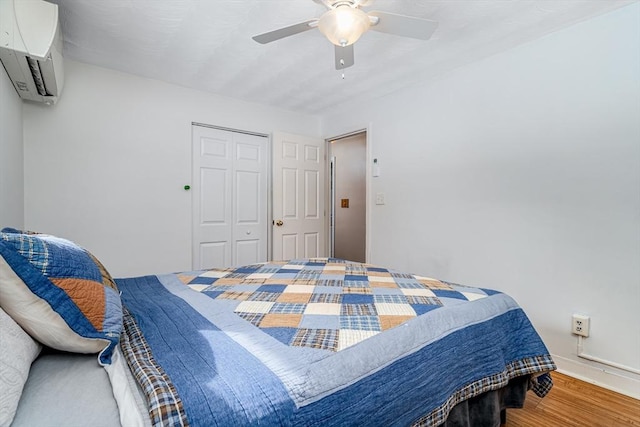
279,223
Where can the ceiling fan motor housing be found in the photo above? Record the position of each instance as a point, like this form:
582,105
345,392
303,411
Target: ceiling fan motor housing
344,24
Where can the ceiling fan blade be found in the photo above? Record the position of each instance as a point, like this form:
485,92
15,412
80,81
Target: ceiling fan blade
344,57
401,25
285,32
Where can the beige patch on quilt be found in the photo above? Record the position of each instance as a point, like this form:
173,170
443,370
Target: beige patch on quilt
433,283
227,281
472,296
281,321
253,281
261,307
349,337
299,289
393,309
387,279
388,322
259,275
294,297
240,296
418,292
286,282
323,308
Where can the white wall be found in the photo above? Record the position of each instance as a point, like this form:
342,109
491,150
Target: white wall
11,155
522,173
106,166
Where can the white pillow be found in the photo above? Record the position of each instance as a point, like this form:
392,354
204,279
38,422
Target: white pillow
17,352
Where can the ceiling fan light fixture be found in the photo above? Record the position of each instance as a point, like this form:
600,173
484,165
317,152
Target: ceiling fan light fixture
344,25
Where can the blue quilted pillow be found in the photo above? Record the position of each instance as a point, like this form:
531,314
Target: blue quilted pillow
57,291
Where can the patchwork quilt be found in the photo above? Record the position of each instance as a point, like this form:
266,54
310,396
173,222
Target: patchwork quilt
321,342
326,305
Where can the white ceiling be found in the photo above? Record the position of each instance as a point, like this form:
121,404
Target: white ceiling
207,45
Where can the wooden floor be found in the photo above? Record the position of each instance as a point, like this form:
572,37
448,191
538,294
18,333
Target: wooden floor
573,402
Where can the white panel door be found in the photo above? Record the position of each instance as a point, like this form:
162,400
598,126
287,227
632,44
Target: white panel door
229,198
298,197
250,199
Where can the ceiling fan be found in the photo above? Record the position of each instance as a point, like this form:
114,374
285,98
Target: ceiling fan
344,22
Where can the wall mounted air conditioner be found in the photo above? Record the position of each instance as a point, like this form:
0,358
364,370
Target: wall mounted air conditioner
31,48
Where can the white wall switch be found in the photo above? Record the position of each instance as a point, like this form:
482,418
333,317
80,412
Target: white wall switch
380,199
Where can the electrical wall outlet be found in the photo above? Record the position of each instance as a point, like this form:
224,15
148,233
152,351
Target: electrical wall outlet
580,325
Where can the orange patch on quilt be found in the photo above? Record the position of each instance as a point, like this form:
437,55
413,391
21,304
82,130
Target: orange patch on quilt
185,279
378,273
388,322
335,264
375,284
88,295
281,321
293,297
281,262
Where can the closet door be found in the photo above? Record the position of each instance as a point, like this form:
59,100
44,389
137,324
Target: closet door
249,196
229,198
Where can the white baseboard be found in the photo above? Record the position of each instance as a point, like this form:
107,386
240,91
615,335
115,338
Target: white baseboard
605,377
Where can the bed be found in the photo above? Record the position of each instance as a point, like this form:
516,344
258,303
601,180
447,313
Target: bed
309,342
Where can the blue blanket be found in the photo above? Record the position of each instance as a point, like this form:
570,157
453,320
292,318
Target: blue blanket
327,342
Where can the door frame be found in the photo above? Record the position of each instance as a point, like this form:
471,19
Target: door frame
368,184
269,191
